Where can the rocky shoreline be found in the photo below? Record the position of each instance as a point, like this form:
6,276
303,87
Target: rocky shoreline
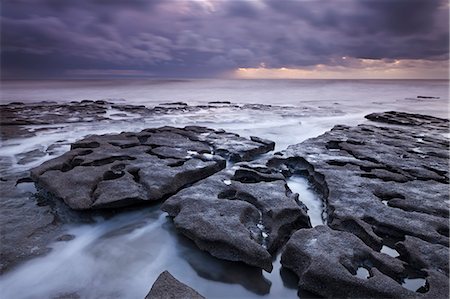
384,186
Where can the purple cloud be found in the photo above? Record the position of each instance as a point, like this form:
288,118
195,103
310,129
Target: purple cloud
206,38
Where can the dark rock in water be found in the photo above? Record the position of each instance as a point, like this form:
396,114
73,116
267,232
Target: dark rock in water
385,185
174,104
427,97
270,143
118,170
73,295
42,113
408,119
168,287
65,238
27,157
220,102
327,263
241,214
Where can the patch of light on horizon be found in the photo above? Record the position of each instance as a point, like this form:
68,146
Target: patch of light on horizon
346,67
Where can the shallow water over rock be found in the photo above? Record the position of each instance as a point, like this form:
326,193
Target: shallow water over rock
308,196
120,257
389,251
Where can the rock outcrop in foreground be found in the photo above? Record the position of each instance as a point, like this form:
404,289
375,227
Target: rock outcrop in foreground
385,188
328,263
388,186
241,214
119,170
168,287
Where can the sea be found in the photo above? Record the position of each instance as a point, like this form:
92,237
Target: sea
121,256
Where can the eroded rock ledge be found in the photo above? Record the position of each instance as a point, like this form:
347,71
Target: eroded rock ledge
119,170
388,186
241,214
327,262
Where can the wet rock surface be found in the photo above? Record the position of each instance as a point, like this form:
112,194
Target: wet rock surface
327,261
21,239
168,287
241,214
385,185
409,119
17,118
39,222
109,171
16,115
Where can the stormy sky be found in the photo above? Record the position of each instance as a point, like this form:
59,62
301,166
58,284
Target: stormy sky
226,38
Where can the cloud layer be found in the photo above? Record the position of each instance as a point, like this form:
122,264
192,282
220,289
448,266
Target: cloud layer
202,38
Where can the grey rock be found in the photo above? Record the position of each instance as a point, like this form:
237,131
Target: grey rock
427,97
21,239
326,262
385,185
168,287
373,174
409,119
30,156
239,214
110,171
424,255
220,102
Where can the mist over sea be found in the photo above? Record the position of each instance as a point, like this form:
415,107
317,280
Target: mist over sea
352,94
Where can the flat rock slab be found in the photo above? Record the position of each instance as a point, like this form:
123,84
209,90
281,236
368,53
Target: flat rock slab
386,185
241,214
108,171
168,287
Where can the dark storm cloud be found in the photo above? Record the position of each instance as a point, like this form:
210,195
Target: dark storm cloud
243,9
206,38
404,17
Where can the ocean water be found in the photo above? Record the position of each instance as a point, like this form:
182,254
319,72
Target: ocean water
362,94
121,256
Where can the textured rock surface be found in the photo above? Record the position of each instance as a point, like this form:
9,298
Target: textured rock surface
119,170
44,220
408,119
387,186
326,262
168,287
240,214
20,239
